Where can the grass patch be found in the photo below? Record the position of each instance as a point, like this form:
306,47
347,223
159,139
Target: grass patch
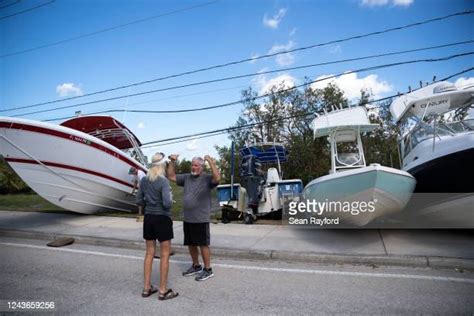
35,203
27,202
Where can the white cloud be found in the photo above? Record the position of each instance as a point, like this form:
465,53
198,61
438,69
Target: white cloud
280,48
373,3
254,58
68,89
351,85
463,82
141,125
335,49
264,85
259,80
293,31
283,59
379,3
403,3
192,145
274,21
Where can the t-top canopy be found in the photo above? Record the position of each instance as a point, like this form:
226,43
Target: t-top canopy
106,128
436,98
265,152
349,118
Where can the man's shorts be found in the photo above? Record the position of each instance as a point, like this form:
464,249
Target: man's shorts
157,227
196,234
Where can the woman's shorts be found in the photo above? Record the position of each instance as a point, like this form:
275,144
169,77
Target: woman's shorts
196,234
157,227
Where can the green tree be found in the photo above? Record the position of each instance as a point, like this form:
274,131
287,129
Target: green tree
183,166
381,145
290,114
224,163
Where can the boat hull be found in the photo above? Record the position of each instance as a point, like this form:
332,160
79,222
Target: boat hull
445,188
388,190
70,169
451,173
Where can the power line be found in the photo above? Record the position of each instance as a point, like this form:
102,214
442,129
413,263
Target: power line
185,138
247,59
162,99
229,78
266,94
229,129
24,11
188,139
111,110
106,29
10,4
457,74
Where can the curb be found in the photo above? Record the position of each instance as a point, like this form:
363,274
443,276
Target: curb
451,263
387,260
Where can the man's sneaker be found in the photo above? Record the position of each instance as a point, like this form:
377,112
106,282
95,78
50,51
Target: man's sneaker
193,270
205,274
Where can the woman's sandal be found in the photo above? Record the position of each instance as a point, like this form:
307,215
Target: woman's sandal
150,291
167,295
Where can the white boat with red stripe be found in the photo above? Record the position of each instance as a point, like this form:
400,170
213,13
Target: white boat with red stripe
81,165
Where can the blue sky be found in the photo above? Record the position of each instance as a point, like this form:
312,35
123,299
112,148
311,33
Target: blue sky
213,34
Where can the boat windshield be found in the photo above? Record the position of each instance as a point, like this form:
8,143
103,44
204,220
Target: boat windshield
424,131
461,126
469,123
110,131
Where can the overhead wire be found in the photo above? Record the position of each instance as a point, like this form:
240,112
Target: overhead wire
179,139
24,11
253,58
272,71
268,94
150,101
106,29
187,86
10,4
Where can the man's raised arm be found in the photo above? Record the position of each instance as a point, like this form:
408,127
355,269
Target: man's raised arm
216,176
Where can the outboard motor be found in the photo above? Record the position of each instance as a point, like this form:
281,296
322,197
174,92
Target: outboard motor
252,179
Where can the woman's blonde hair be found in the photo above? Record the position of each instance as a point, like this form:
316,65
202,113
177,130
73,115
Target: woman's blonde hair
158,167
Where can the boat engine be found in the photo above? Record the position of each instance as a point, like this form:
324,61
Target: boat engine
253,180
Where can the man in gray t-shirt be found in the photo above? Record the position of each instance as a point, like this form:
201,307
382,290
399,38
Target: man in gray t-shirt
197,211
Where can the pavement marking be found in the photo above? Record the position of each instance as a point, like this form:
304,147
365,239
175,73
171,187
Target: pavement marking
255,268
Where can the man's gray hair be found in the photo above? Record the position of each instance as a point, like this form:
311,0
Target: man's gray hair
198,160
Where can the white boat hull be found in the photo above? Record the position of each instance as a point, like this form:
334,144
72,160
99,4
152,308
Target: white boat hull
70,169
388,189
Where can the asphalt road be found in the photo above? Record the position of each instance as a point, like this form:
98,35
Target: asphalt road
82,279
